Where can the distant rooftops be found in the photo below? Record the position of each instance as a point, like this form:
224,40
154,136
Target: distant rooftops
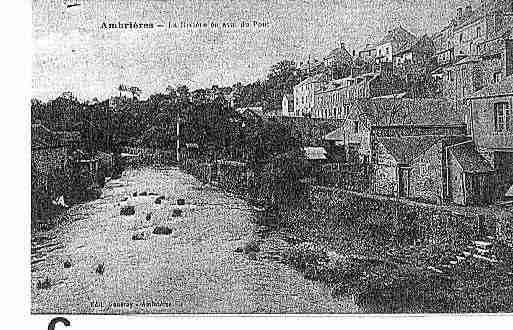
400,36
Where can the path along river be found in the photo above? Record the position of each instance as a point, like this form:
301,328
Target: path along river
193,270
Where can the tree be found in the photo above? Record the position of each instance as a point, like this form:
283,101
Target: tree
122,88
135,91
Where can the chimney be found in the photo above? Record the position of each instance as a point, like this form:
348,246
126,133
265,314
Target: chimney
459,14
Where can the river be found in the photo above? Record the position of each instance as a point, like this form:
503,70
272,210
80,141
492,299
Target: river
193,270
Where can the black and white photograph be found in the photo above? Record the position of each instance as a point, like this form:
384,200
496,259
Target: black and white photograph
273,157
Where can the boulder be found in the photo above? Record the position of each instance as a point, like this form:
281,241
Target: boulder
159,199
148,216
162,230
180,201
134,194
127,210
67,264
144,193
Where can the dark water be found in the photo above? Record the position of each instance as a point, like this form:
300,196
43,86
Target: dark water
193,270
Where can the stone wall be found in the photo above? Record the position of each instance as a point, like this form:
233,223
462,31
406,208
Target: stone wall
425,223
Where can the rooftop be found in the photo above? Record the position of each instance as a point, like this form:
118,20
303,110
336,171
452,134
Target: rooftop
404,111
469,159
406,149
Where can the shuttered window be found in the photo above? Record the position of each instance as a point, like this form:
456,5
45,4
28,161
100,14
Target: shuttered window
502,117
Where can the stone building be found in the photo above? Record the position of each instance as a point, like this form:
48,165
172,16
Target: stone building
394,41
394,116
304,94
436,169
335,100
492,129
338,62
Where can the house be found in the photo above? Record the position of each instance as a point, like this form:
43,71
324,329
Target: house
419,52
311,67
368,52
470,29
398,116
433,169
491,118
334,101
304,95
338,62
394,41
481,49
444,46
471,179
287,105
461,80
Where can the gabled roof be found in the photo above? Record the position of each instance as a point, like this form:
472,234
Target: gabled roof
469,159
340,53
413,112
336,135
467,59
406,149
503,87
400,36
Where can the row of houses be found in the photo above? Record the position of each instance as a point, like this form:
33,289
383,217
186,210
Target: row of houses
453,147
425,150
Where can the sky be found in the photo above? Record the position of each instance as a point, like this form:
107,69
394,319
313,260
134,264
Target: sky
72,52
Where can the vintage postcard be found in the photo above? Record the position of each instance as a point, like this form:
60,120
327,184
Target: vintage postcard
272,157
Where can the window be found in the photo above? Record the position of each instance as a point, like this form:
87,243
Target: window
502,117
478,32
356,127
497,76
461,38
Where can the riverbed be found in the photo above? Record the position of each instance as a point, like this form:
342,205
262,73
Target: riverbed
195,269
